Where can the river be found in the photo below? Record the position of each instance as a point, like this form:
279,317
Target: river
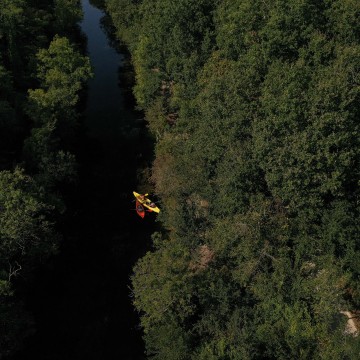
105,108
81,299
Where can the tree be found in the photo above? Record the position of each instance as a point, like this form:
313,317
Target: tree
11,22
27,238
62,71
255,109
67,14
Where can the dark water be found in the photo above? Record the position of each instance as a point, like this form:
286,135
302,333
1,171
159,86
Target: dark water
81,298
105,108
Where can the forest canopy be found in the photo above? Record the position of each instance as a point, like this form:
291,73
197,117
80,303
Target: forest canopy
42,72
255,110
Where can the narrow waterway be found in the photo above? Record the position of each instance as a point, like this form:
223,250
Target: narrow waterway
81,299
105,111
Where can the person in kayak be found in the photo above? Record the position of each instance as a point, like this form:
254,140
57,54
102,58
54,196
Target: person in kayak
143,197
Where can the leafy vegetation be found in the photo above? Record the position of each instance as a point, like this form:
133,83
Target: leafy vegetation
254,106
41,74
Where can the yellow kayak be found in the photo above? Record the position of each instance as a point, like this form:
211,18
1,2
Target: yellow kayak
142,199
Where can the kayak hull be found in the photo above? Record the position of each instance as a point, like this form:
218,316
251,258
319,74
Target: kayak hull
145,202
140,209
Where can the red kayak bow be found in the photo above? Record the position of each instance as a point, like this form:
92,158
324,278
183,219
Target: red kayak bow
140,209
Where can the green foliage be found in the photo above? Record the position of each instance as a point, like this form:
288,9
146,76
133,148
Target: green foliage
167,342
343,22
11,21
62,71
125,14
67,14
255,109
29,204
27,238
310,123
177,44
7,117
156,267
24,229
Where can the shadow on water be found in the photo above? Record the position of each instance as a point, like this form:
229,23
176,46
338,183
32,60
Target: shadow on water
81,297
